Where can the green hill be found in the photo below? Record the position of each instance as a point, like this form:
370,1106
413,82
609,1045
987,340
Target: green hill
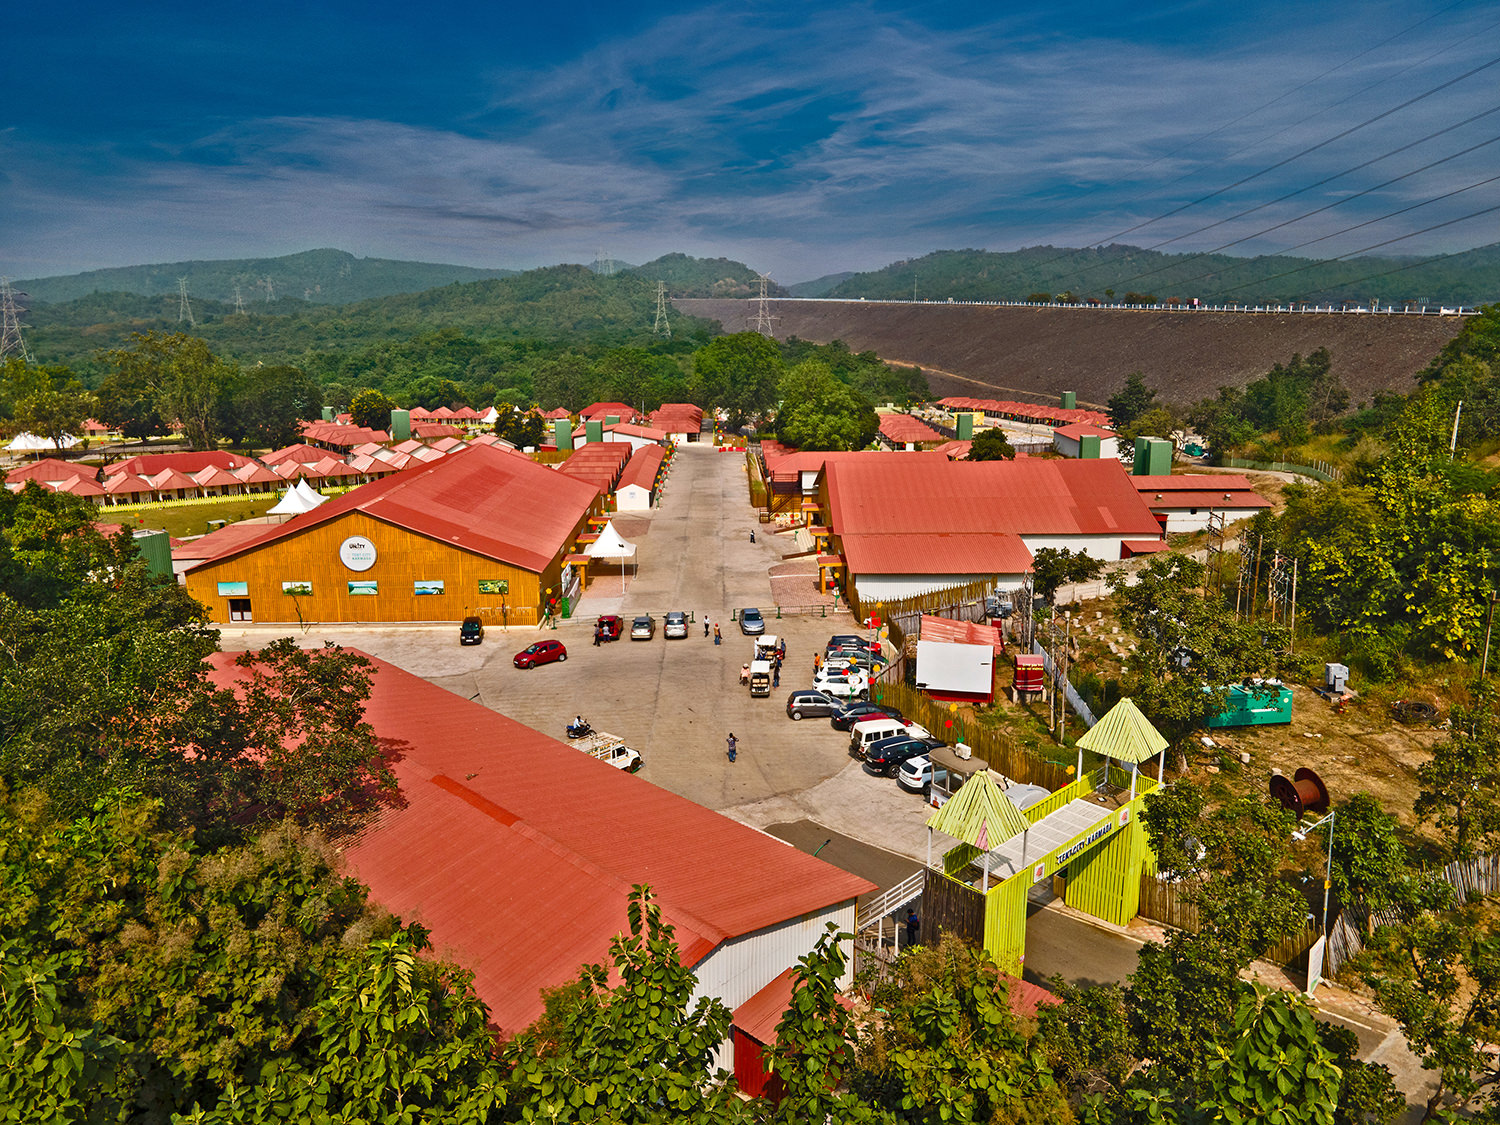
327,277
705,277
1468,278
819,286
558,303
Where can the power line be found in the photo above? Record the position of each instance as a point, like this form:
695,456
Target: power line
1421,262
1366,249
1305,215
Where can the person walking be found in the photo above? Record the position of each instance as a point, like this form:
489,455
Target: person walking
733,743
598,634
817,663
718,637
913,926
705,626
776,675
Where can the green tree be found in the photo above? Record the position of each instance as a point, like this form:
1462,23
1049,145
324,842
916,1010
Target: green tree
54,414
1055,567
372,410
1460,784
183,378
1159,422
639,1052
1130,401
815,1038
991,445
1276,1066
521,430
268,405
1191,647
1438,976
947,1047
1370,862
740,373
819,412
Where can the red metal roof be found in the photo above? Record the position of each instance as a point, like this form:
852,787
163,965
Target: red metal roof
1077,430
1194,482
128,484
994,552
903,428
907,493
487,501
1027,411
961,632
1177,499
518,853
172,478
1142,546
759,1016
622,410
230,537
299,452
78,486
434,430
642,467
786,464
50,469
149,464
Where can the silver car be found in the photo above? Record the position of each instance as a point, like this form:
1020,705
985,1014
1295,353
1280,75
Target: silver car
676,626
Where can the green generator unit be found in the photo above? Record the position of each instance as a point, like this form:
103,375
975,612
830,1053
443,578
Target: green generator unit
1258,705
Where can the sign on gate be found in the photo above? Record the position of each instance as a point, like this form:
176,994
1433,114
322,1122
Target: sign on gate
1315,963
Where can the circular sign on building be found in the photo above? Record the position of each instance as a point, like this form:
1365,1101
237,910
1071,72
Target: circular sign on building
357,553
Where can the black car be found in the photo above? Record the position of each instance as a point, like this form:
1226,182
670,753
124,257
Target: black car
852,640
810,704
471,632
851,713
886,757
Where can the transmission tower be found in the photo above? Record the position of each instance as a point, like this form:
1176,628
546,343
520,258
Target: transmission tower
270,290
11,340
603,264
763,322
239,302
184,306
663,325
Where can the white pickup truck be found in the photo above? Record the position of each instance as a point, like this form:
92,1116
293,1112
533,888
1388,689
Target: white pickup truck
609,748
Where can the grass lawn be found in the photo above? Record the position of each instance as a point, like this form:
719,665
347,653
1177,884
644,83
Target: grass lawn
189,517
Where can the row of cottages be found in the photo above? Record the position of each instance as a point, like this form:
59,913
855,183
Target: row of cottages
483,531
680,421
529,850
641,479
1185,502
631,434
893,525
1032,413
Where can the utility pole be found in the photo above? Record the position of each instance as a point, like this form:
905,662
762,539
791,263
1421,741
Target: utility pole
11,340
663,326
1453,441
763,322
184,306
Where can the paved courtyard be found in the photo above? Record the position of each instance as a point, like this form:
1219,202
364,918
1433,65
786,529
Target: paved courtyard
676,701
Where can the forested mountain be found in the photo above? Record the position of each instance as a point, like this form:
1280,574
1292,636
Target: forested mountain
705,277
327,277
557,303
1468,278
819,286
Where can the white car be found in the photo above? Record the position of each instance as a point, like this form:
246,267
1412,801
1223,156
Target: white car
842,683
916,774
676,626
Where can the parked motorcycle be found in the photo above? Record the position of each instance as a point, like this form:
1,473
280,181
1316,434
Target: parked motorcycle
579,729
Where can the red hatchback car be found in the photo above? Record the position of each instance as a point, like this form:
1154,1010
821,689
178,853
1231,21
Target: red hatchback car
609,627
543,652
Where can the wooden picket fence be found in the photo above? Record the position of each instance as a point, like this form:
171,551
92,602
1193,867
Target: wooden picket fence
952,601
995,747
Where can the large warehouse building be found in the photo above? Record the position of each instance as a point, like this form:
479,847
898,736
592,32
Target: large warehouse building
518,853
903,524
483,531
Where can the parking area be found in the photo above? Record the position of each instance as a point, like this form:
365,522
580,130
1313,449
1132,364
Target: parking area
675,701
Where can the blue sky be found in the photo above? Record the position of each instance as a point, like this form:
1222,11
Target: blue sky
800,140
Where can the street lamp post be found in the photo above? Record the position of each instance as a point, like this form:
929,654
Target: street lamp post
1302,834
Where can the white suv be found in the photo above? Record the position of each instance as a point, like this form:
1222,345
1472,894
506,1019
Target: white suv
842,683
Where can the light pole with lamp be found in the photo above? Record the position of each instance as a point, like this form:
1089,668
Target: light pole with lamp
1315,974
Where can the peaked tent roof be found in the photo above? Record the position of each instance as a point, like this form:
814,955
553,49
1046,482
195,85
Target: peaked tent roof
609,545
1124,734
30,443
980,814
298,499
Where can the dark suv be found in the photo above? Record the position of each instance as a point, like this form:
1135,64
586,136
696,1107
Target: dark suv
887,756
471,632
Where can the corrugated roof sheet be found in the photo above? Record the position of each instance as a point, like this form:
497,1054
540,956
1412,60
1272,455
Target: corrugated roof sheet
50,469
1077,430
902,428
231,537
1027,411
994,552
1220,498
622,410
518,852
1193,482
149,464
759,1016
1124,734
926,494
299,452
961,632
642,467
488,501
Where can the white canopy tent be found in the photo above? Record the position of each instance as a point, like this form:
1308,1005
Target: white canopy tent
610,545
490,416
30,443
300,498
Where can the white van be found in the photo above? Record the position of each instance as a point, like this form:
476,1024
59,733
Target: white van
867,732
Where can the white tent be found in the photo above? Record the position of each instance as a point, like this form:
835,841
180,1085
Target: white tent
300,498
490,417
30,443
609,545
